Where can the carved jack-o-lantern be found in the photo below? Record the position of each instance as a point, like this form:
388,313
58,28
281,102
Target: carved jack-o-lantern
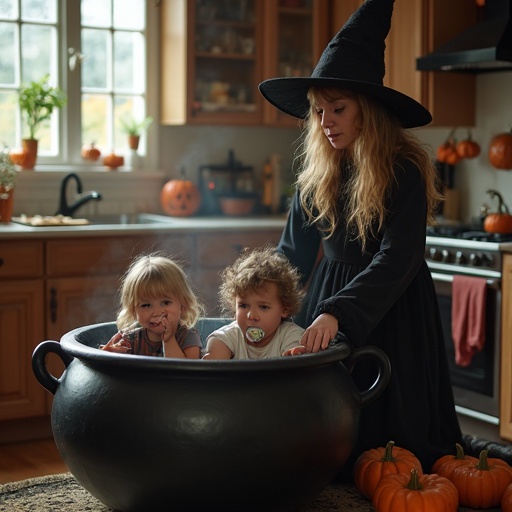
180,198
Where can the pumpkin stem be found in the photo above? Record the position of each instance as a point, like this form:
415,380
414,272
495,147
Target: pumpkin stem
459,455
388,452
414,483
183,173
483,463
451,135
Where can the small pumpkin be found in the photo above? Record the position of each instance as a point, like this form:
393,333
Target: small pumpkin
375,464
500,222
447,151
500,151
468,148
180,197
90,152
482,485
445,465
415,493
17,156
113,161
506,500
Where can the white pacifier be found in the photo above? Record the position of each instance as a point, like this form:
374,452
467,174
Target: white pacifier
254,334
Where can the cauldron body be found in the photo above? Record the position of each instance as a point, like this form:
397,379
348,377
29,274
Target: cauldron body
143,433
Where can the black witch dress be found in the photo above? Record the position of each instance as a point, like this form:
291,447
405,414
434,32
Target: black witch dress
384,296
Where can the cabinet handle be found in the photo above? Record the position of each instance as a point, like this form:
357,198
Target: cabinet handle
1,261
53,305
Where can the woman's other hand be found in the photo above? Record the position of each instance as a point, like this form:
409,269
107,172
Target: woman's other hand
318,335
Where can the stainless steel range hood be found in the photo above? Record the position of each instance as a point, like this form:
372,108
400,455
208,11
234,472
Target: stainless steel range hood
485,47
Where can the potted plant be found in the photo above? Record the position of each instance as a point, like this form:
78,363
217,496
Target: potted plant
134,128
7,182
37,101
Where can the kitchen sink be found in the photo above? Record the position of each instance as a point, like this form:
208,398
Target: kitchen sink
129,218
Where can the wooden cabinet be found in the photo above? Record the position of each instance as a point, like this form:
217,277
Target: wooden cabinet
21,328
419,27
506,350
216,52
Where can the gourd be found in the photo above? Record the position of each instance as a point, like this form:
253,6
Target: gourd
445,465
375,464
482,485
90,152
113,161
468,148
447,151
500,222
500,151
180,197
415,493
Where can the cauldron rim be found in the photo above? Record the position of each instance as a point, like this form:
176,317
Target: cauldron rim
71,344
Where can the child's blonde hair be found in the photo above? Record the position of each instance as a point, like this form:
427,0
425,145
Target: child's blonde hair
252,270
155,275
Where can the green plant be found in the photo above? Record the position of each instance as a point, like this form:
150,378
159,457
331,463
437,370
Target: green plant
37,101
133,127
7,170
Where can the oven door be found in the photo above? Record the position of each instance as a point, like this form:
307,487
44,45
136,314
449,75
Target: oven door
475,387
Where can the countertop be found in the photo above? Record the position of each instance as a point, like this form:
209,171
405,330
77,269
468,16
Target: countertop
165,224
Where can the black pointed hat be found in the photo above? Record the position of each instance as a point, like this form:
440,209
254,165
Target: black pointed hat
353,60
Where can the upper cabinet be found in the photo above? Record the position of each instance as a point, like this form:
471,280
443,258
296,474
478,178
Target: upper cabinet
419,27
216,52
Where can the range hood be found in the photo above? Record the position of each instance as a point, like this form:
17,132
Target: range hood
484,47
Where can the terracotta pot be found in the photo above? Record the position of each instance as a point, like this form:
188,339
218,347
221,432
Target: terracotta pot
30,153
133,141
147,433
6,204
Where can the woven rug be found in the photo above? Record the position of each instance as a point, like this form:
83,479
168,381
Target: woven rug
62,493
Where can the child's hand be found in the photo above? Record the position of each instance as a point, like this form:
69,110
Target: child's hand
117,344
295,351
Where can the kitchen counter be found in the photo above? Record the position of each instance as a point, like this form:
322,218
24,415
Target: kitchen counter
159,225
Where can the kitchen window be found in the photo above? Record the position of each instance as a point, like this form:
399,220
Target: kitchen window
96,51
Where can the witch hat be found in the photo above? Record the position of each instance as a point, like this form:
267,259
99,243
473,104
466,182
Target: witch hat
353,60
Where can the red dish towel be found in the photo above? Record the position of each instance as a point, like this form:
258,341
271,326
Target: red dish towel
468,317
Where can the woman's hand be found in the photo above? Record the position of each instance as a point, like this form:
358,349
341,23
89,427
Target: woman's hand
318,335
117,344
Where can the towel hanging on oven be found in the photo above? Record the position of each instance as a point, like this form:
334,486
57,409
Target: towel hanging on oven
468,317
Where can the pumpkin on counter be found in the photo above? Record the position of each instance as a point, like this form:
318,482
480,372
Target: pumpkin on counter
445,465
506,500
17,156
500,151
180,197
500,222
90,152
113,161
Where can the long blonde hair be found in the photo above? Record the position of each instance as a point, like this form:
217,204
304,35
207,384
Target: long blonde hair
380,143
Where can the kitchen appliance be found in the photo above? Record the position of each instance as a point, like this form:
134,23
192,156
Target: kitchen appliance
231,179
484,47
463,250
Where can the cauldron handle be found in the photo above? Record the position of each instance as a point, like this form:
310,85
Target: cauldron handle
45,378
384,367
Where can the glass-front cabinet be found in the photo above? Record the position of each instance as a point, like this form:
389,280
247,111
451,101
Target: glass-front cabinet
216,52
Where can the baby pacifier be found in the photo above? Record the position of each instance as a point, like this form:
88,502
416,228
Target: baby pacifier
254,334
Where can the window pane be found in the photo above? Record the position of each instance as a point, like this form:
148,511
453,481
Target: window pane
39,10
8,107
95,125
38,52
9,9
96,13
95,47
129,14
129,72
8,53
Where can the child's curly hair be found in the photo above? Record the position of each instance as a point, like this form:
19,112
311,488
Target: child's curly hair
252,270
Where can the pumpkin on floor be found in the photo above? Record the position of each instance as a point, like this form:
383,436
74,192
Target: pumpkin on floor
444,466
375,464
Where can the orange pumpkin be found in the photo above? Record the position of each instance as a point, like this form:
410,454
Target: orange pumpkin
500,151
90,152
506,500
180,197
498,223
375,464
416,493
447,151
468,148
482,485
444,466
113,161
17,156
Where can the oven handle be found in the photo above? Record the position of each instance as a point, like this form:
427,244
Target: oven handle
448,278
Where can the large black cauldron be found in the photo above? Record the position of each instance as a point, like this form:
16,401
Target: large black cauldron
143,433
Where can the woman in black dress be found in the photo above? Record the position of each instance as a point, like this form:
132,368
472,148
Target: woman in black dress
365,193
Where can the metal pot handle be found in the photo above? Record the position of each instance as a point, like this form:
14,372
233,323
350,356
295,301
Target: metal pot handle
45,378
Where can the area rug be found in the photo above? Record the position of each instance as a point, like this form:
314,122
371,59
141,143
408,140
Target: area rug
62,493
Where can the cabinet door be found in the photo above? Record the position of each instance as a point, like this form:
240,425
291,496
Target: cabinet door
297,32
211,62
21,330
506,351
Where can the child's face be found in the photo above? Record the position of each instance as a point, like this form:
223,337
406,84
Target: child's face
159,315
261,309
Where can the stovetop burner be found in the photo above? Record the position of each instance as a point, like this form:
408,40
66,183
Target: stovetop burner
466,232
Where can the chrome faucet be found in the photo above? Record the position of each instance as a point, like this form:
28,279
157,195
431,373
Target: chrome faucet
69,210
